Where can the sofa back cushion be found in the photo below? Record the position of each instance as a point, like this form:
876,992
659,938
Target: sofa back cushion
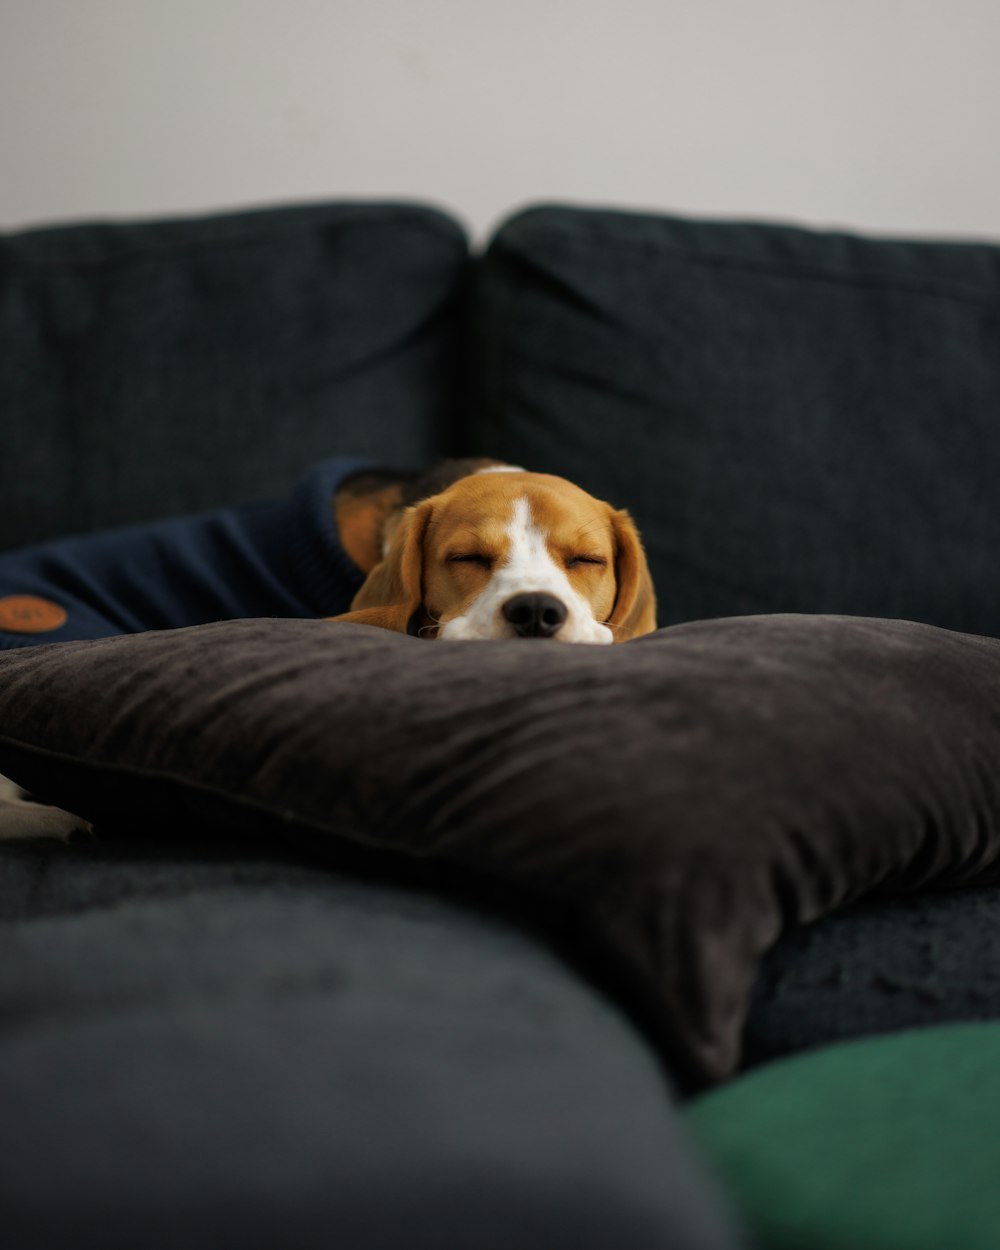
799,421
149,369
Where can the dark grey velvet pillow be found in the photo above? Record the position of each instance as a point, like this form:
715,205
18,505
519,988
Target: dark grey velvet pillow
161,367
802,421
684,798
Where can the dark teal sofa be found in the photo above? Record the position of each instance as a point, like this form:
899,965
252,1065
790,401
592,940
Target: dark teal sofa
210,1043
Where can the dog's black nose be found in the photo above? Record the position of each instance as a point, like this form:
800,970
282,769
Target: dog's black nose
535,615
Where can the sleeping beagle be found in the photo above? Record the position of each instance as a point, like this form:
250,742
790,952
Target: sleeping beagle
474,549
487,550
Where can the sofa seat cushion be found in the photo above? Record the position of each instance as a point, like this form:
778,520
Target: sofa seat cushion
149,369
807,420
887,1143
883,964
682,799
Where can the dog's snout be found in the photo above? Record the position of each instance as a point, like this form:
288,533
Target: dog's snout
535,615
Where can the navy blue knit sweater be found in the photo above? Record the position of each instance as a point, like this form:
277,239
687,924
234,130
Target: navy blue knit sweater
269,559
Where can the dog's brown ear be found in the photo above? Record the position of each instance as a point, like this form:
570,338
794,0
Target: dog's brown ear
635,602
368,504
393,591
361,512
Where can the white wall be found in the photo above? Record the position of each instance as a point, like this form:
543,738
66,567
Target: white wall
874,114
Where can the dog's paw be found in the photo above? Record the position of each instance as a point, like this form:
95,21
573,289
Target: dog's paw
21,819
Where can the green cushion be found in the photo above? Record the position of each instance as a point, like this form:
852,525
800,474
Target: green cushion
888,1144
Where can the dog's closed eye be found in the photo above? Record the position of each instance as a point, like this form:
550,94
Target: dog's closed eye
471,557
574,561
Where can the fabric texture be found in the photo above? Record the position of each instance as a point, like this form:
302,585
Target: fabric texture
681,799
802,422
889,1143
224,1047
281,558
882,965
152,369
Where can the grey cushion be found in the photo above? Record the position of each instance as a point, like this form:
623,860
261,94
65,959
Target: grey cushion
801,421
154,368
225,1048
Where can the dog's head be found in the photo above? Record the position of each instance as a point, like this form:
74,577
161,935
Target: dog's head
503,553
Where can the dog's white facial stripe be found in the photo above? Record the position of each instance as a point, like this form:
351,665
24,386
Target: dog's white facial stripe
501,468
528,566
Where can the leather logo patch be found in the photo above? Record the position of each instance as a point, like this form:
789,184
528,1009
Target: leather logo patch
29,614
